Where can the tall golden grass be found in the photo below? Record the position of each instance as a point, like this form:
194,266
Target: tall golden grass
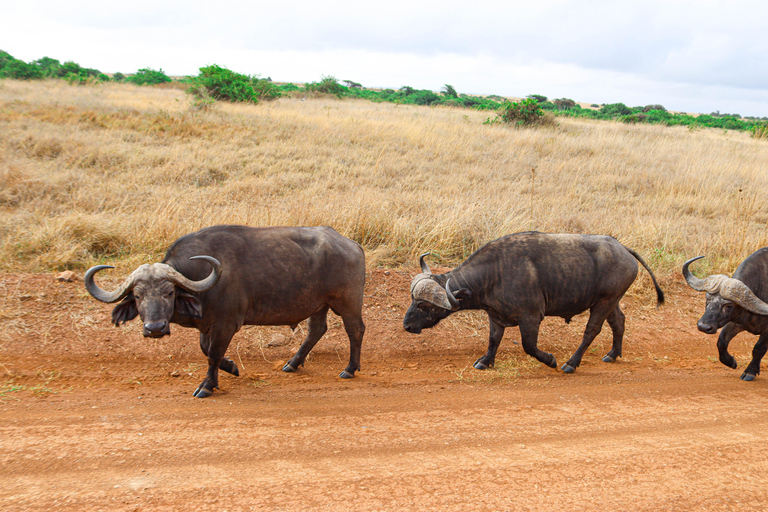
115,173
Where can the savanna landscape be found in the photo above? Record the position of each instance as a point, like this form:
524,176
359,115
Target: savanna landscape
95,417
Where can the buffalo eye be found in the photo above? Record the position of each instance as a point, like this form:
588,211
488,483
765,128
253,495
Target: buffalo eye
137,296
169,294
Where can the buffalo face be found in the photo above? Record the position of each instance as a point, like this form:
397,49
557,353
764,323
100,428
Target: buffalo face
430,302
423,315
718,312
155,293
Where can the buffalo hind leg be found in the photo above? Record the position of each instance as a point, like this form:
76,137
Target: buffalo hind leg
758,352
353,324
317,324
597,316
214,345
494,338
616,321
529,334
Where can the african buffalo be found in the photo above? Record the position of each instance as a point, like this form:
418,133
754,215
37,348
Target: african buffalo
519,279
736,304
223,277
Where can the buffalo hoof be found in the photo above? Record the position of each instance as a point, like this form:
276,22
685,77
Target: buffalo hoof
608,359
346,375
288,368
568,368
747,377
202,392
733,364
479,365
553,363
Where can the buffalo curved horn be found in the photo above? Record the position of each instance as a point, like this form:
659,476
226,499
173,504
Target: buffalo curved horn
728,288
454,302
182,281
103,295
423,264
693,281
738,292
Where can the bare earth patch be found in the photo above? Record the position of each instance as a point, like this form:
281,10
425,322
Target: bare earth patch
97,418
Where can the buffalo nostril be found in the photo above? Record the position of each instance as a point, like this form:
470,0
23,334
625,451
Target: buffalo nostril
155,327
706,328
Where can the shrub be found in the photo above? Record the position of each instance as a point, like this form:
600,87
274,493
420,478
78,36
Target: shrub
118,77
20,70
564,103
48,66
219,83
424,97
616,110
760,131
148,76
327,85
648,108
449,91
522,113
538,97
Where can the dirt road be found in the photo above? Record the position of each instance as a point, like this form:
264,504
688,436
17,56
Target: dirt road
98,418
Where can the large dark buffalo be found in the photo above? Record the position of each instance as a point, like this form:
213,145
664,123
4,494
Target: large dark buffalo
519,279
223,277
736,304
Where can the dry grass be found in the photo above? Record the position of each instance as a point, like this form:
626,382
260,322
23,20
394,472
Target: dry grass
116,172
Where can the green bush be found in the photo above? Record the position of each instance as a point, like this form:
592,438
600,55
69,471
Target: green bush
449,91
760,131
327,85
48,67
520,113
220,83
148,76
20,70
616,110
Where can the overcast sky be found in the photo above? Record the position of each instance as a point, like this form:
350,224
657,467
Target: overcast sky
693,56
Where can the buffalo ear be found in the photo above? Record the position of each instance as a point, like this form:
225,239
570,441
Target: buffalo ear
188,305
464,293
125,311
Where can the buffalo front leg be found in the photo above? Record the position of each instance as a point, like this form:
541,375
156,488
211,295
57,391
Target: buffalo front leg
616,321
226,363
758,352
529,334
726,335
494,338
214,345
317,324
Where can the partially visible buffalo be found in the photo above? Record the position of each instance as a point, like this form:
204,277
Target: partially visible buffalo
223,277
736,304
519,279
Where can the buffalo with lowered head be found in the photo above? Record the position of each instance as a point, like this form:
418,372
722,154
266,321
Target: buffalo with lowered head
223,277
519,279
736,304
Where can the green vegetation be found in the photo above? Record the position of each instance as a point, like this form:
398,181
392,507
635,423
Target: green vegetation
520,113
216,83
220,83
148,76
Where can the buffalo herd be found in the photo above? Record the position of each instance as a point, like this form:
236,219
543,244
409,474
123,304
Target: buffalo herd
221,278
